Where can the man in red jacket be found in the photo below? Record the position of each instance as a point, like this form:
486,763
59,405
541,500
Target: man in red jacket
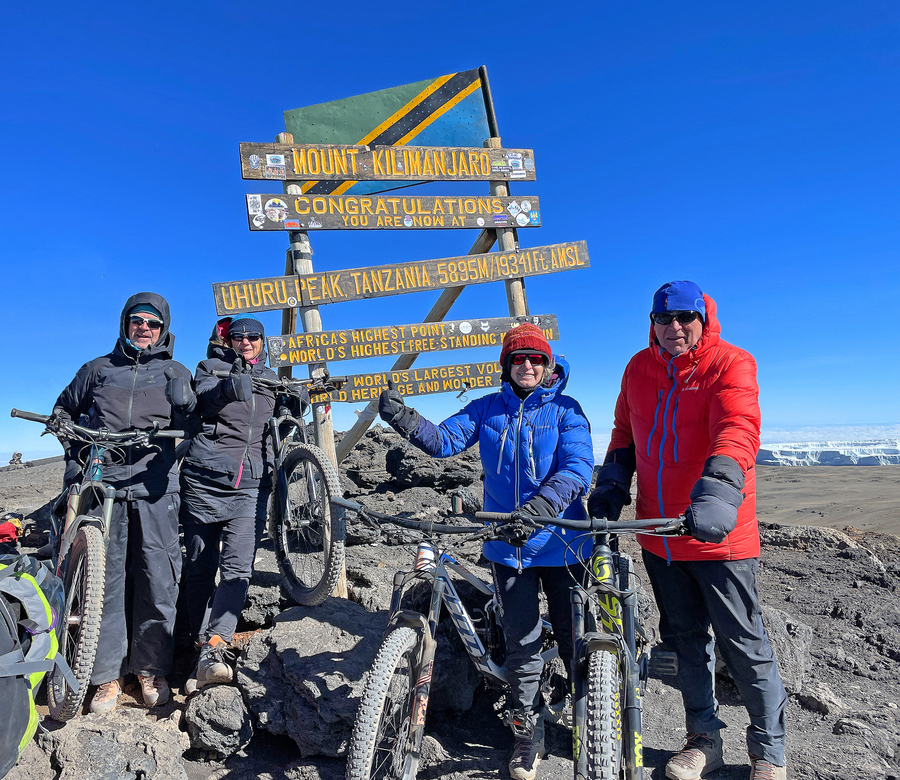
687,421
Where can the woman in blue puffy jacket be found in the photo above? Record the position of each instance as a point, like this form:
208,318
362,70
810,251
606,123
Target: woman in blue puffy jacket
537,456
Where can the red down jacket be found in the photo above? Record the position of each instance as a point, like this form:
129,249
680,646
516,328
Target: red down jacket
679,411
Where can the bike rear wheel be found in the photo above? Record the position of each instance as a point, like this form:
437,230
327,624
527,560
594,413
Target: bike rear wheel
309,531
603,729
85,576
378,745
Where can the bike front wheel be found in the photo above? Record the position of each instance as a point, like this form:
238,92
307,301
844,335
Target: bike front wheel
309,531
85,576
379,745
603,729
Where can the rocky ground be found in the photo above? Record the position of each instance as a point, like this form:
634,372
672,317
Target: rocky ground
830,601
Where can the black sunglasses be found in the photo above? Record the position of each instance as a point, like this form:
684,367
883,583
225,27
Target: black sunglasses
152,324
251,337
667,317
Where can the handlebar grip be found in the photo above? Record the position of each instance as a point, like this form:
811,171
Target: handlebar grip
170,434
494,517
33,416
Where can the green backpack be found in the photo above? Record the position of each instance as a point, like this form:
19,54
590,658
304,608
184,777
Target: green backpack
31,602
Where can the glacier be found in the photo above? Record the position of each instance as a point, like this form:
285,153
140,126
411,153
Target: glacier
881,452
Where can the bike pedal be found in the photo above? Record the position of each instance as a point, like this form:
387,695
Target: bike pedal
663,663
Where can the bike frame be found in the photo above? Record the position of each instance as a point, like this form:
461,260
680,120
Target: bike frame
444,592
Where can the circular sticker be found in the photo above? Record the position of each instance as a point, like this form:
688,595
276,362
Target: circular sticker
522,218
408,220
528,163
276,210
292,301
465,327
259,220
480,221
526,205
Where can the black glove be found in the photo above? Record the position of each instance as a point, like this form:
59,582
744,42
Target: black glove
179,392
238,386
393,410
613,490
515,533
715,499
539,507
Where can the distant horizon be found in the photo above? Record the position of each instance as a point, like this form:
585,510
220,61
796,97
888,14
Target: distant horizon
801,434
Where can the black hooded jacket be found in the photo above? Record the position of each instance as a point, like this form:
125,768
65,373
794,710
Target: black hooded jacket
127,389
234,433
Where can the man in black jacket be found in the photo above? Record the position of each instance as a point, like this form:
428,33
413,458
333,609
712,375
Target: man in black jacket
128,388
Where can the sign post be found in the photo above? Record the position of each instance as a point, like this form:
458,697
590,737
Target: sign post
299,261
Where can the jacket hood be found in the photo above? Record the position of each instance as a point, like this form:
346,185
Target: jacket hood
712,333
217,344
165,344
542,394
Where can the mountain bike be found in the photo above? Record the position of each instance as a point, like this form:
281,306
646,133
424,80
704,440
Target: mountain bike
307,530
611,651
78,549
387,735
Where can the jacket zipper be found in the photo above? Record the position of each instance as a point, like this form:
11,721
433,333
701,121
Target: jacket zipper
249,438
516,469
130,412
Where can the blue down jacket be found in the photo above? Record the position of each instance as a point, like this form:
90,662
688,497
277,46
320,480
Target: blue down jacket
541,444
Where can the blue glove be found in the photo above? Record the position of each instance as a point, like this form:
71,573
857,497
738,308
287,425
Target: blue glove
238,386
715,499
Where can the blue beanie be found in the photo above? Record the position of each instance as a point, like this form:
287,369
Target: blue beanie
246,325
679,296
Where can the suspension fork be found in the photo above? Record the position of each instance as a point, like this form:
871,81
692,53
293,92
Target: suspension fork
424,668
578,598
634,758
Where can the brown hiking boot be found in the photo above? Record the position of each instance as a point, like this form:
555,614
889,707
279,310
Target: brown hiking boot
106,697
211,668
702,753
764,770
155,690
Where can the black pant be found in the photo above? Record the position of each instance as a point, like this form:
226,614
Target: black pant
143,565
522,623
694,595
214,517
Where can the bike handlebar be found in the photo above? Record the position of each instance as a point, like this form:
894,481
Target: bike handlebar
403,522
659,525
292,386
92,433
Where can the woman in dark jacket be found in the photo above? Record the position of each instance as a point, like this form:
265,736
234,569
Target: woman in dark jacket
225,485
128,388
536,450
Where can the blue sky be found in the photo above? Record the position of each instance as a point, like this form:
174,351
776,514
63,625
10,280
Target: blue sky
750,147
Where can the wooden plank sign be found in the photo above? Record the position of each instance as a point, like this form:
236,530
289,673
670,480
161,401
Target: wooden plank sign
353,284
417,381
297,349
370,212
334,162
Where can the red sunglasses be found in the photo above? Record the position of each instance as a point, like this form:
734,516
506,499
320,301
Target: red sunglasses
536,359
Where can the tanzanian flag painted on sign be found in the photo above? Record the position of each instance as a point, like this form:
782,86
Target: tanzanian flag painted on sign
446,111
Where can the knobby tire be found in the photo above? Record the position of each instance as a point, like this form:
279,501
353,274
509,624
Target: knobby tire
378,743
604,717
85,577
310,546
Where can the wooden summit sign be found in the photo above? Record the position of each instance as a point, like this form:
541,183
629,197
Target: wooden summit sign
368,212
353,284
332,162
417,381
297,349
